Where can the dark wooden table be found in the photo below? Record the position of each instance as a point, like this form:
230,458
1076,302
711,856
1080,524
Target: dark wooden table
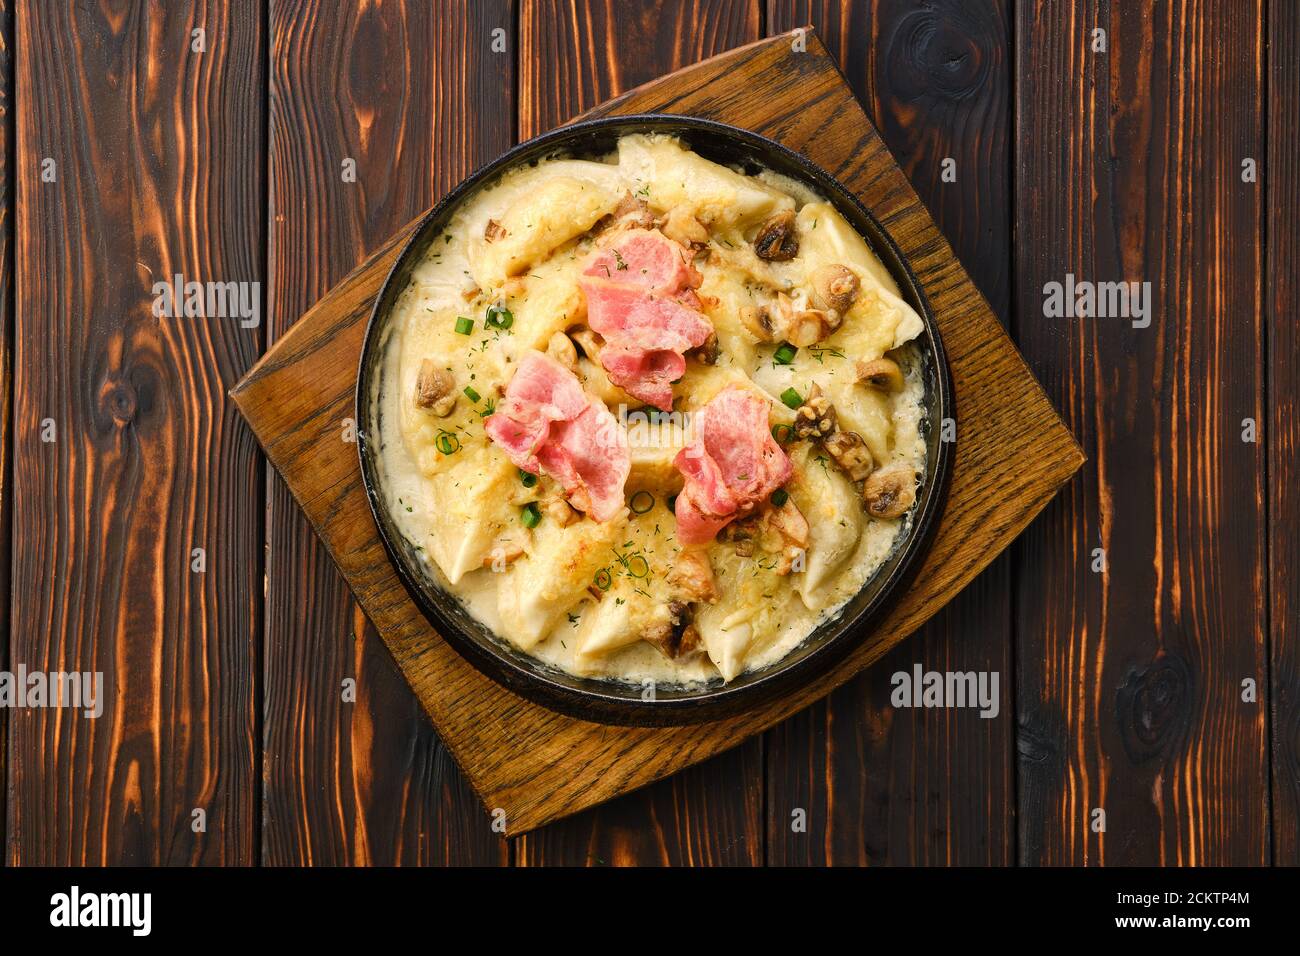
1122,688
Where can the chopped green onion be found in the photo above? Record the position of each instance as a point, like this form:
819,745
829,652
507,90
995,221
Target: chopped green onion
638,566
782,432
780,497
528,478
464,326
642,502
791,398
472,395
604,579
531,517
499,317
784,354
447,443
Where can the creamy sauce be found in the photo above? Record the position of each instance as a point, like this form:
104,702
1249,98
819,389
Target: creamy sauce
455,496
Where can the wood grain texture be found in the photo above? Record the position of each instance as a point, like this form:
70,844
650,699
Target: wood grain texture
1129,680
156,173
879,784
574,56
537,765
6,368
1281,178
413,94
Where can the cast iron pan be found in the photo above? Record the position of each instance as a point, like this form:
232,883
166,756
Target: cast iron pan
612,701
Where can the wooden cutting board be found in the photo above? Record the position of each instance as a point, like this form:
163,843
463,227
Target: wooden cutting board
1012,454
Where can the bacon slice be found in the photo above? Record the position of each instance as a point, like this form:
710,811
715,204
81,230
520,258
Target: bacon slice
730,465
648,259
641,298
645,335
547,423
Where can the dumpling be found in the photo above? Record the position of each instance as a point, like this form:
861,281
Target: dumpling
674,177
531,214
467,511
754,605
562,562
880,320
833,509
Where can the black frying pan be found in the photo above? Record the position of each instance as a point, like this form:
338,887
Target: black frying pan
617,702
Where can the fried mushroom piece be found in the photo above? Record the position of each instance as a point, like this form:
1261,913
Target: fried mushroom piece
809,326
835,287
558,509
741,534
782,321
676,638
889,492
760,321
816,420
632,212
560,347
850,452
785,532
691,576
690,580
435,389
776,240
683,228
588,341
782,531
882,373
709,352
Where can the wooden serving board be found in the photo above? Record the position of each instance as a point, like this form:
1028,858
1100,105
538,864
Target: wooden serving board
1012,453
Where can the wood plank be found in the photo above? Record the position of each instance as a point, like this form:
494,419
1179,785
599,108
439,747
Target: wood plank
880,784
710,814
1130,679
1012,454
156,152
1281,178
6,367
576,55
414,95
